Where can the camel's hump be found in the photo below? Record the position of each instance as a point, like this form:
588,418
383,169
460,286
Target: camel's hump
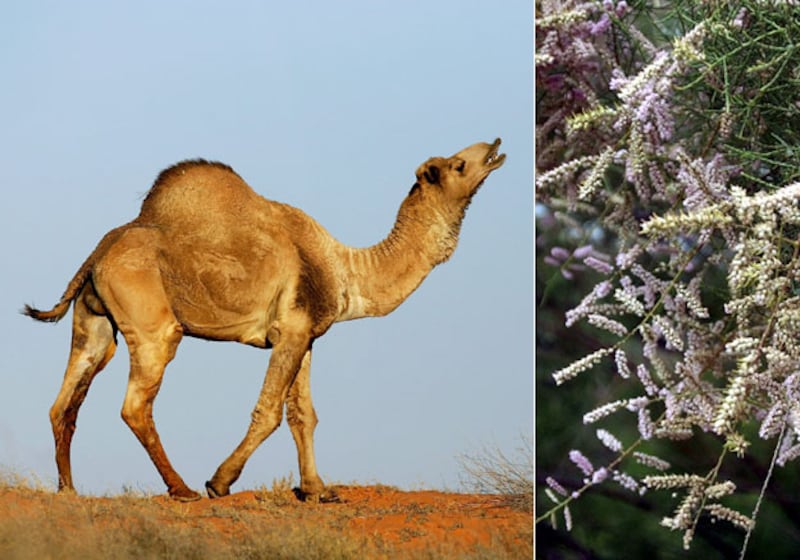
193,188
174,172
189,172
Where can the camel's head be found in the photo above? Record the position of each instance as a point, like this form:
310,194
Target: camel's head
459,176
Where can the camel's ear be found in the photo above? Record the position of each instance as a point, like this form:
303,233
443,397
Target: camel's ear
430,171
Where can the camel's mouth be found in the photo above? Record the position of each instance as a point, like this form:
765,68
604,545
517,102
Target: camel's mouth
493,159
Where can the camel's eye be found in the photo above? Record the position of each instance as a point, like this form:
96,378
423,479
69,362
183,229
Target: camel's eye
460,166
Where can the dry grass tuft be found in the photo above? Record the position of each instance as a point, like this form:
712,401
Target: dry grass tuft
490,471
280,495
12,479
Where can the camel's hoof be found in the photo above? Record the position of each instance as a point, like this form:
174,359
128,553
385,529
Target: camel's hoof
327,496
67,492
185,495
213,492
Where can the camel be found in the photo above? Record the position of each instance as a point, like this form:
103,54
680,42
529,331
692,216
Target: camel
207,257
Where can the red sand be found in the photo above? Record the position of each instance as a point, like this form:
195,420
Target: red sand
390,518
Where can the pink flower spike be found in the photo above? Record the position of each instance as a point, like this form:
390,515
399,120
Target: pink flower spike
553,483
600,475
560,253
581,462
583,252
601,25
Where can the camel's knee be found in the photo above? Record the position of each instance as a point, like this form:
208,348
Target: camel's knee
133,416
265,420
60,421
137,408
57,415
79,376
140,422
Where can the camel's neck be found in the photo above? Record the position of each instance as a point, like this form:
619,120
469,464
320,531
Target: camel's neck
381,277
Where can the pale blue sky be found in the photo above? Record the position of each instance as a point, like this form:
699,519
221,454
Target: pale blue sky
329,106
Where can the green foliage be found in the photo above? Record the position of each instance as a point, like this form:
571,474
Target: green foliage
749,80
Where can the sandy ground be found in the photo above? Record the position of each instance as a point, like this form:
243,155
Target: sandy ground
386,517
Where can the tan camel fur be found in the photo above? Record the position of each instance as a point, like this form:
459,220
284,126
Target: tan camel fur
208,257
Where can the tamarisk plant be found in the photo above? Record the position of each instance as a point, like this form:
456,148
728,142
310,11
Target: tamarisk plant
673,132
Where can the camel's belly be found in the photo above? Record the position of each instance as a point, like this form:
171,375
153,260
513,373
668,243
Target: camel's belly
247,330
223,297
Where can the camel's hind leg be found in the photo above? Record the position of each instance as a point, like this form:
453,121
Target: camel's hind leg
132,289
302,419
149,357
93,345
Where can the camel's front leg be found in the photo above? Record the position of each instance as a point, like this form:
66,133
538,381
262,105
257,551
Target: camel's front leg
302,420
284,364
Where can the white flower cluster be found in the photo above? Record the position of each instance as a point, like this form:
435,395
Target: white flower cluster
700,491
588,304
610,325
667,481
587,362
706,218
562,18
609,440
651,461
732,405
564,173
595,178
685,514
621,361
719,511
604,410
586,119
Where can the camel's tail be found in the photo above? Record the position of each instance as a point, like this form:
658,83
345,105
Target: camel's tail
76,284
61,308
51,316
